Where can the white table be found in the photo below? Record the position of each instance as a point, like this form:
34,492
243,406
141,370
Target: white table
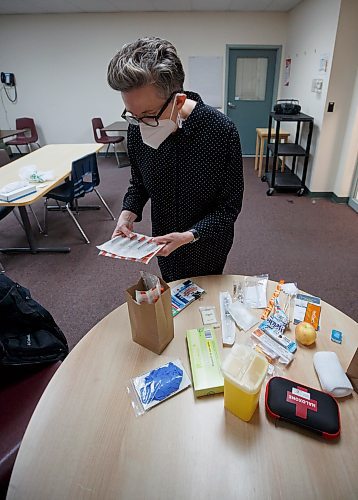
56,157
84,441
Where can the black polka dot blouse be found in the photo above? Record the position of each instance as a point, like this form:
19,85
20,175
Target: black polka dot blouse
194,181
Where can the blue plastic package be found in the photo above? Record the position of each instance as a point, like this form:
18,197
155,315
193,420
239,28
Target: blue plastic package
161,383
153,387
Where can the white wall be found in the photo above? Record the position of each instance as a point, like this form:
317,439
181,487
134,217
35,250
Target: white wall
337,155
311,32
349,151
60,64
317,27
60,61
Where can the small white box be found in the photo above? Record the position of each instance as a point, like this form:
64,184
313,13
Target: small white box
17,193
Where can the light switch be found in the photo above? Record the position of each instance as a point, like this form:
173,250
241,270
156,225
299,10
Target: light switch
317,85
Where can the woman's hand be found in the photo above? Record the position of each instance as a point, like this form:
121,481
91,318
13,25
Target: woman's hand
124,225
172,241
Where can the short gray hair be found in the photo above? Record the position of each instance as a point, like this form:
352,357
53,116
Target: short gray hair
147,61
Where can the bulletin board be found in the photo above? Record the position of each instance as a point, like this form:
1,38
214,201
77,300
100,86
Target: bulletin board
206,78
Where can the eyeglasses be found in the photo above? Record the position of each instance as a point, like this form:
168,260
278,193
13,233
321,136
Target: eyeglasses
151,121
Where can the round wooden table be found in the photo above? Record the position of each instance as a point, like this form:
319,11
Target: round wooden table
84,440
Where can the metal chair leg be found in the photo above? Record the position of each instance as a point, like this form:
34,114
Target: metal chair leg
116,155
77,223
105,204
19,150
45,217
107,150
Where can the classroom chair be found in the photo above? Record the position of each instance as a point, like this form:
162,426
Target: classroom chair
84,179
22,139
103,138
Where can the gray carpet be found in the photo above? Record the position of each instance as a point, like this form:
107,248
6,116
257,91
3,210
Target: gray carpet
311,242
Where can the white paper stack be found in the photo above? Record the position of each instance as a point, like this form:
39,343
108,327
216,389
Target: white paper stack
15,190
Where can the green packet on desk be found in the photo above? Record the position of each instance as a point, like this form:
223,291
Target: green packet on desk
205,361
184,294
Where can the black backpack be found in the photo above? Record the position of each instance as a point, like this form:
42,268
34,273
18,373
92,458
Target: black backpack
28,332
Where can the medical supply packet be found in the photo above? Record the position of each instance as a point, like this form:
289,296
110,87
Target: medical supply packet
153,289
140,248
271,302
271,347
184,294
300,310
153,387
228,328
205,361
208,316
275,325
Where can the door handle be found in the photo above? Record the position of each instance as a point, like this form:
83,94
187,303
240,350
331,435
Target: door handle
231,105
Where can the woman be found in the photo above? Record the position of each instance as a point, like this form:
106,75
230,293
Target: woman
185,157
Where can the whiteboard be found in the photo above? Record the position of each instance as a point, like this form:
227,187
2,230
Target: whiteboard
206,78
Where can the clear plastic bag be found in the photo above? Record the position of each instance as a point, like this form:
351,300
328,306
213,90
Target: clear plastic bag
254,292
290,291
238,290
242,316
149,280
30,173
153,387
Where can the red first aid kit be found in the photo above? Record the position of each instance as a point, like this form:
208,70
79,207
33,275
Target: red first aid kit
293,402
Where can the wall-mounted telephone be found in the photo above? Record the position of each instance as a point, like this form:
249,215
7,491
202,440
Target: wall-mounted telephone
8,79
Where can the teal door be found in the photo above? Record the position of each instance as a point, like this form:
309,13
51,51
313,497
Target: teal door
250,92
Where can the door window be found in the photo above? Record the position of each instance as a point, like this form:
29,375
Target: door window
251,75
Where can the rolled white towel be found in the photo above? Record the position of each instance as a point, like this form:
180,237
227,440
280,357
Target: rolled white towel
331,375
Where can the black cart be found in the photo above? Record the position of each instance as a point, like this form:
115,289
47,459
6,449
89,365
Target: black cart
288,180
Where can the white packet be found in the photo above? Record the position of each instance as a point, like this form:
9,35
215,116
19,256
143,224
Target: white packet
255,291
228,328
208,316
13,186
243,316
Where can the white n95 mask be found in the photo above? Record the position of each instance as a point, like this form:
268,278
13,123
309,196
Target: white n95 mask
154,136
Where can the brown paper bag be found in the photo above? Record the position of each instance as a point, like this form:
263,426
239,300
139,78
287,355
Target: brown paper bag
352,371
152,324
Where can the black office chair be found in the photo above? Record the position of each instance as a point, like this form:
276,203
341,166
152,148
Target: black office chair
84,179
